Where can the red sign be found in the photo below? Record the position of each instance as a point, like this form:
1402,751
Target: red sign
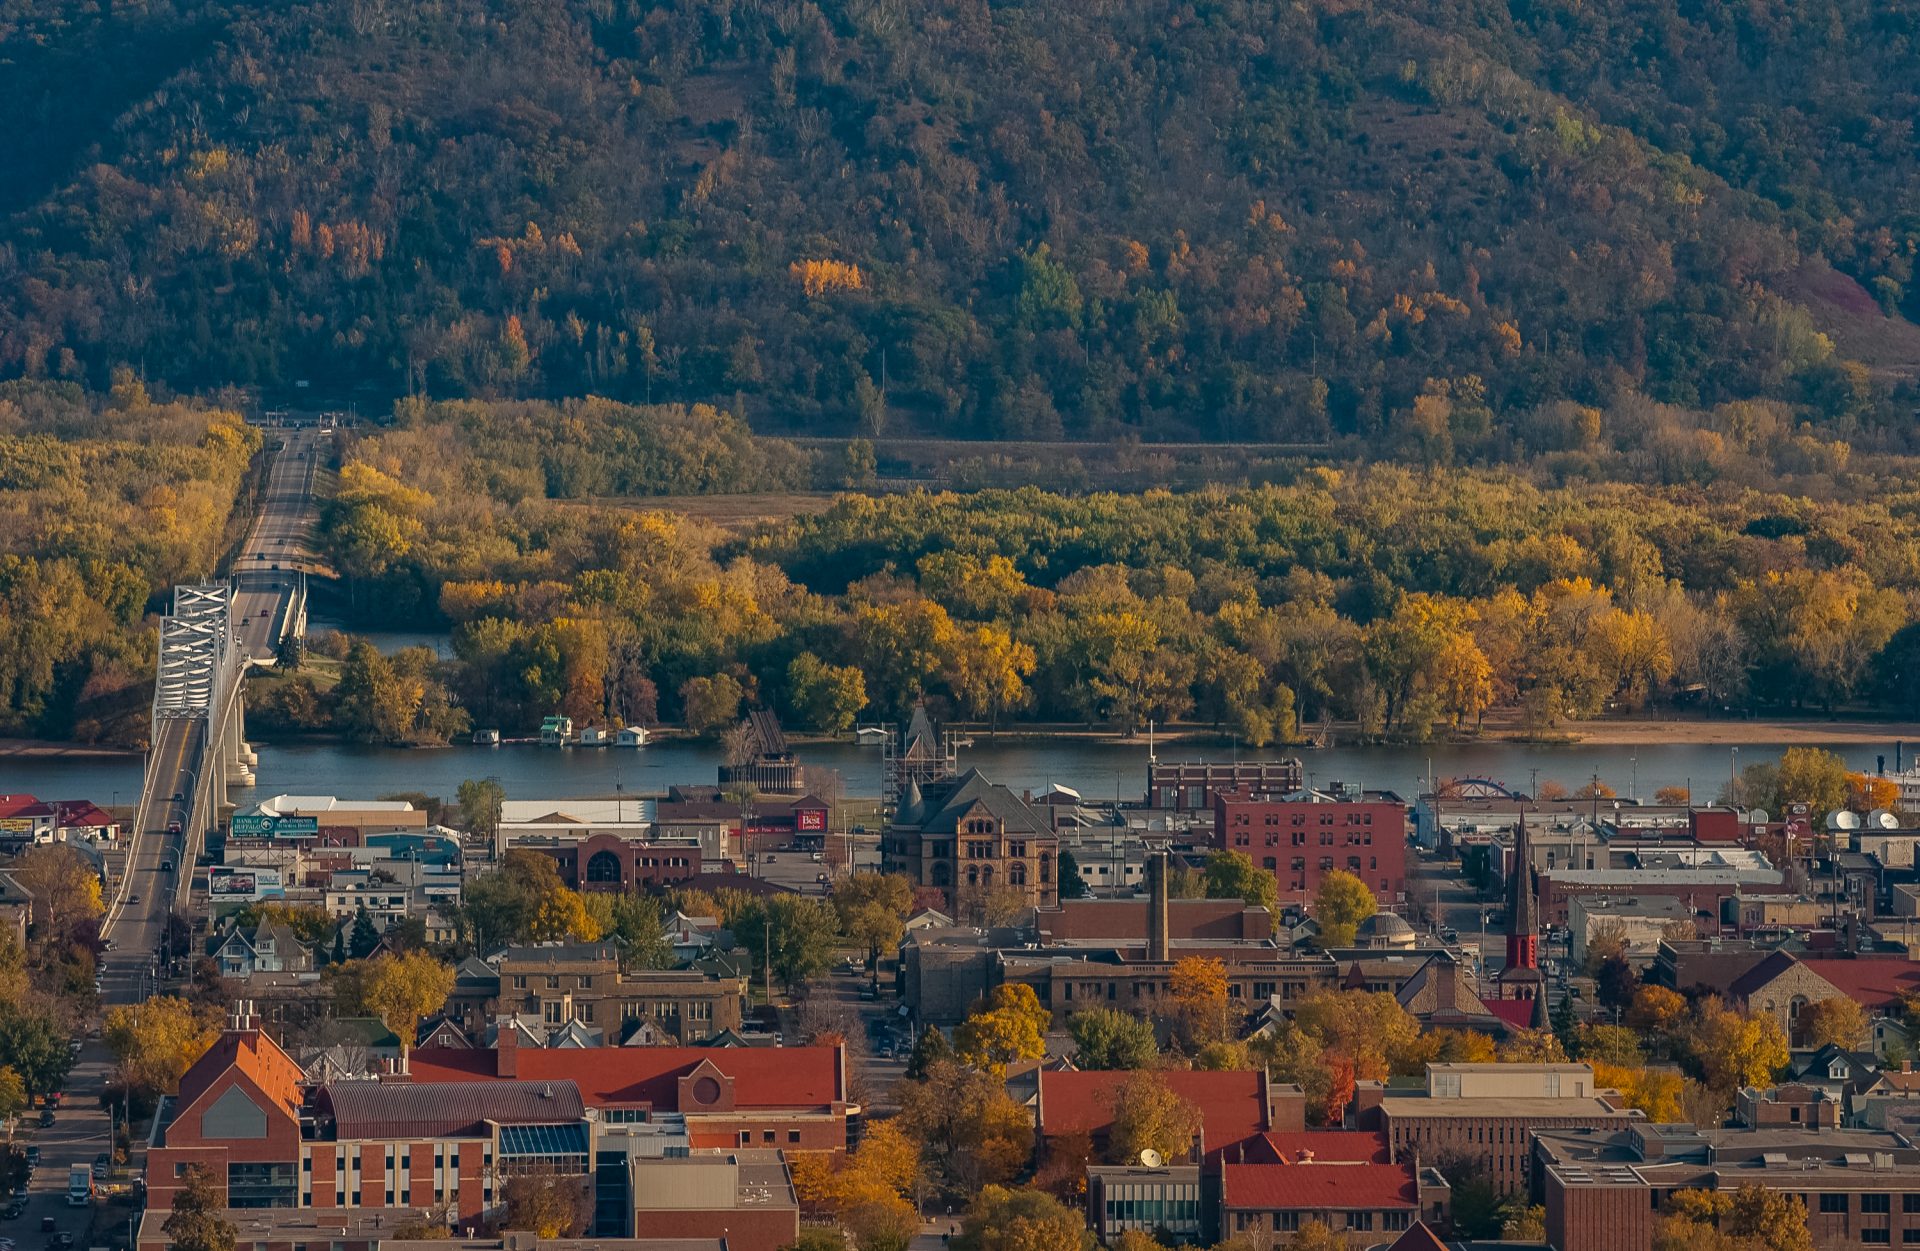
810,819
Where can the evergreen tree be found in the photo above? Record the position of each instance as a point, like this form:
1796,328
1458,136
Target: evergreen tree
340,945
1564,1026
931,1048
1071,885
365,937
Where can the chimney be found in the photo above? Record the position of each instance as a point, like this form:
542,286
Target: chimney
1157,945
506,1049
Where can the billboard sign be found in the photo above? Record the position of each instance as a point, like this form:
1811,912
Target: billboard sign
229,882
810,819
275,827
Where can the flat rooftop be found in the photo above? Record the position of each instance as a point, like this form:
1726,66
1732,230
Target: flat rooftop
1482,1108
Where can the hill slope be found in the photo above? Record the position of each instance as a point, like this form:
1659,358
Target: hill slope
1213,220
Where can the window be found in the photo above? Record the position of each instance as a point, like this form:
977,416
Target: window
1017,873
1910,1236
1830,1202
793,1136
1875,1237
1910,1203
519,981
1876,1203
553,981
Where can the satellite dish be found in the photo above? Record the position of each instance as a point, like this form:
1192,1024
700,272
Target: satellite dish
1842,819
1149,1158
1758,816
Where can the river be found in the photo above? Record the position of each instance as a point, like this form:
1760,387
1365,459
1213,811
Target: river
1099,771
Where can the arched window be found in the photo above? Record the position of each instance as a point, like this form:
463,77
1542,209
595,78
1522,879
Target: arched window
1046,868
604,866
986,875
973,875
1017,873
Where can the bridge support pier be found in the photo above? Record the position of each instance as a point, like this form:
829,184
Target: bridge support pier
235,758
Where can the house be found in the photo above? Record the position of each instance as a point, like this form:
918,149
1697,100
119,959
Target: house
555,983
268,947
83,819
16,908
24,820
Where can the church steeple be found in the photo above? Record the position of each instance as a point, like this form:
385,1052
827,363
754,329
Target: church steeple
1523,926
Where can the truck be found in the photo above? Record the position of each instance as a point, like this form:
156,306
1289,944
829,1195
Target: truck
79,1186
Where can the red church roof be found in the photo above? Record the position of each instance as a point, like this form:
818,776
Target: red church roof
763,1077
1876,983
1315,1187
1517,1013
1232,1105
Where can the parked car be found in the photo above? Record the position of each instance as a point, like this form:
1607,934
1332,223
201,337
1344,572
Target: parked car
14,1211
46,1118
33,1155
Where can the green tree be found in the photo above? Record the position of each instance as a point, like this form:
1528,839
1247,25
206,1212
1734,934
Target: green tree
825,697
1104,1038
1232,875
365,937
873,908
1072,886
711,703
33,1043
929,1049
1342,903
481,800
635,924
793,934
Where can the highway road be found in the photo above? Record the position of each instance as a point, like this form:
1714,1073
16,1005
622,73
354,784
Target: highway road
264,577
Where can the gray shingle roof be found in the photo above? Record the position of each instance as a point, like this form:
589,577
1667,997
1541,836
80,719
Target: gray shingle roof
943,804
363,1109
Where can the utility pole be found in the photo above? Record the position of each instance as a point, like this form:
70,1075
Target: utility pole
768,949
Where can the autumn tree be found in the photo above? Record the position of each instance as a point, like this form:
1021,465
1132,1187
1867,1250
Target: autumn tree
791,933
1342,903
547,1203
1021,1220
157,1041
402,989
1838,1020
822,696
1149,1115
198,1221
65,887
1735,1051
1197,996
1011,1025
972,1131
872,908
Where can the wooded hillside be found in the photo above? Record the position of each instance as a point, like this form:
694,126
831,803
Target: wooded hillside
1410,226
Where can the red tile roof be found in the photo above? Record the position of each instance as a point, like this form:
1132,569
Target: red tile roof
1233,1105
763,1077
1873,982
1350,1146
1317,1187
256,1056
23,806
80,814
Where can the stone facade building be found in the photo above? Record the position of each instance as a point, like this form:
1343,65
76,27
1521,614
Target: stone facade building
967,838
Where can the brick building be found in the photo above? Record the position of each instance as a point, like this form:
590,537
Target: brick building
1485,1113
561,982
614,863
791,1098
1235,1107
967,836
1191,785
1300,836
1603,1188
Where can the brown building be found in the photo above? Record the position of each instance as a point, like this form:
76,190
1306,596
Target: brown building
1190,785
967,837
1603,1188
743,1197
561,982
1485,1113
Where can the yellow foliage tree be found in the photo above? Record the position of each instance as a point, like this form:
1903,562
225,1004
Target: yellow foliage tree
1013,1026
157,1041
822,276
404,988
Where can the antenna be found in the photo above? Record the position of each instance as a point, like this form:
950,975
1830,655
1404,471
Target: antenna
1881,819
1149,1158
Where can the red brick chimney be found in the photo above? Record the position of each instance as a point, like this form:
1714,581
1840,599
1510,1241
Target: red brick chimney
506,1049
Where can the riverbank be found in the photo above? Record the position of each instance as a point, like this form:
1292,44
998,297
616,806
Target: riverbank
1669,731
40,749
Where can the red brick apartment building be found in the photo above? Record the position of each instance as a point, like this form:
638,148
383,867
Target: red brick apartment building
1301,836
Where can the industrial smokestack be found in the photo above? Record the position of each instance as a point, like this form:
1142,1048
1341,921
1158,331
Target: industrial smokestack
1157,906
